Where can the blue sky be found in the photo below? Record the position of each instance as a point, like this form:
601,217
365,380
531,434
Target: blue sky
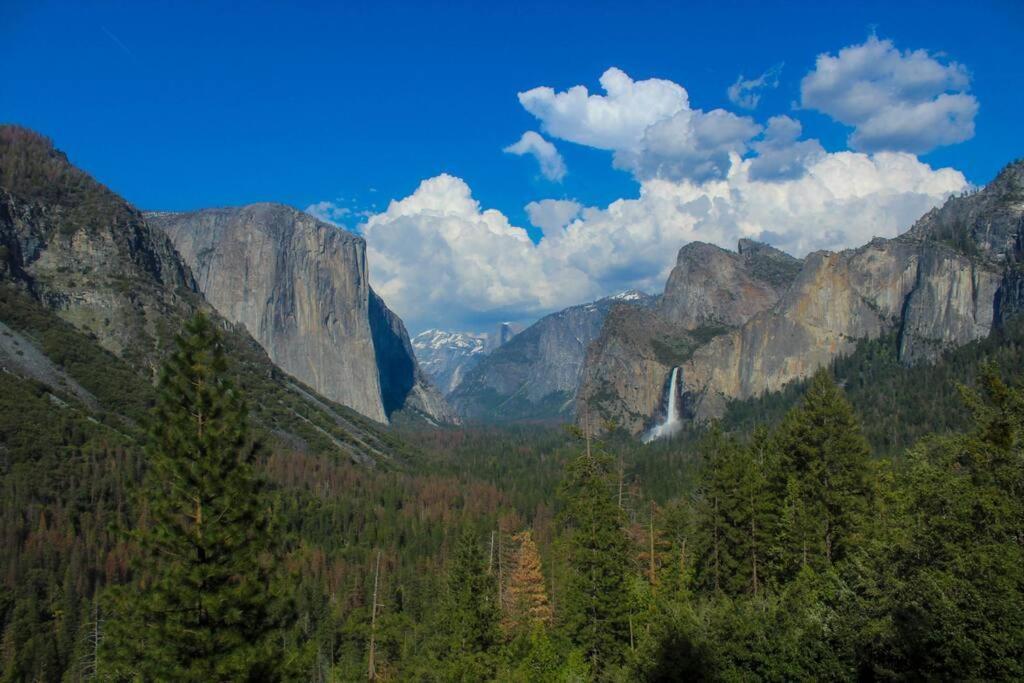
178,105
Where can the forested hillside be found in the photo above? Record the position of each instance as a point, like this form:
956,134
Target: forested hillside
483,537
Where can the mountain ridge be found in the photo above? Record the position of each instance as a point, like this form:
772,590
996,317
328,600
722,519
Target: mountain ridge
949,279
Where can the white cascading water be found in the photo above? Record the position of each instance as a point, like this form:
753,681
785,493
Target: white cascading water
670,425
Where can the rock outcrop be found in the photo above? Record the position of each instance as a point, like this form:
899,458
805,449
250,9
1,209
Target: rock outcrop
85,253
709,292
535,374
300,287
947,281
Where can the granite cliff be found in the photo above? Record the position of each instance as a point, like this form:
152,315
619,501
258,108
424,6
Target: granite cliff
92,295
742,331
709,292
300,287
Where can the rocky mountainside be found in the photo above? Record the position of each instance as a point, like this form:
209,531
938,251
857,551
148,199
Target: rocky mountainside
709,292
300,287
446,356
84,253
535,374
91,297
945,282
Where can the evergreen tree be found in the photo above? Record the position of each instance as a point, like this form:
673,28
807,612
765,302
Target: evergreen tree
958,557
821,477
468,634
201,607
596,604
735,514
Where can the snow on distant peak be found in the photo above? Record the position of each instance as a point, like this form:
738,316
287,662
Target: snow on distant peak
444,339
629,295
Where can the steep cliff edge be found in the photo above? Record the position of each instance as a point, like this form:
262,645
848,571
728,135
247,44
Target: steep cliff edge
947,281
86,254
709,292
300,287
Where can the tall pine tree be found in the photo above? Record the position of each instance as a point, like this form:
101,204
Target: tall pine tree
466,642
596,604
821,477
201,607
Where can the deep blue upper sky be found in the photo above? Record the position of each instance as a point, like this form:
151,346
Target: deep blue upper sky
178,105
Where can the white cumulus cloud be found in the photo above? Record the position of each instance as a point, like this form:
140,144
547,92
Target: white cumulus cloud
439,259
552,166
907,101
648,124
552,214
613,121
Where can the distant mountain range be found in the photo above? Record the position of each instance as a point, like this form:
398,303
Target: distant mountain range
445,356
745,322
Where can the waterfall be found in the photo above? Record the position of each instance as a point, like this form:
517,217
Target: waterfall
670,425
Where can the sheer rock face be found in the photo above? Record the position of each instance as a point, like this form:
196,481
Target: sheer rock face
300,287
947,281
403,384
713,286
535,374
709,291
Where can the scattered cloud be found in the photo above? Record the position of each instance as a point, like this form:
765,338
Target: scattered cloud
613,121
552,166
328,212
553,214
439,259
649,125
747,93
907,101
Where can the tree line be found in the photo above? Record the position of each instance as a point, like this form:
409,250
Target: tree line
794,555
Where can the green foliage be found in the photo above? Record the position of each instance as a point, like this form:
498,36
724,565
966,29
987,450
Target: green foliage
923,579
821,479
202,606
596,603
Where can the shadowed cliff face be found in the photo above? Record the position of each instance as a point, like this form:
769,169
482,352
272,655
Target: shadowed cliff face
300,287
402,383
947,281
